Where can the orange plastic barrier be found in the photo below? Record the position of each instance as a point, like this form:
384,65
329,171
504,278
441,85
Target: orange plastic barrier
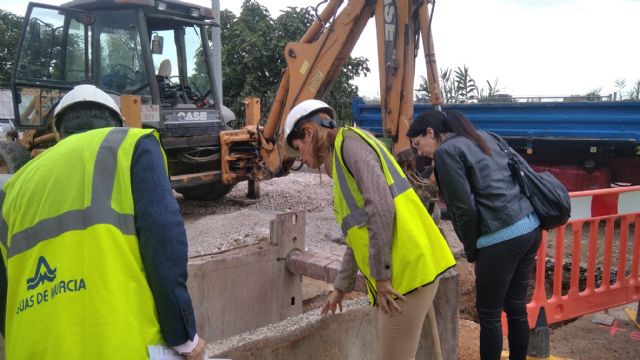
613,212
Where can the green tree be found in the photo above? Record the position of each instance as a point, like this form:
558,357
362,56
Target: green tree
10,25
253,46
343,90
249,57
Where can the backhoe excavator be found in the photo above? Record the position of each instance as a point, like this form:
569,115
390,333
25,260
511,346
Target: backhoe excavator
313,64
118,45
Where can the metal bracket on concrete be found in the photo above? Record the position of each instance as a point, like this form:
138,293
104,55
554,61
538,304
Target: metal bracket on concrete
253,190
247,288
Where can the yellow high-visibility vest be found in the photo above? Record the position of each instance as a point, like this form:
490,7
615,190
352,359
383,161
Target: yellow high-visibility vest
419,253
77,288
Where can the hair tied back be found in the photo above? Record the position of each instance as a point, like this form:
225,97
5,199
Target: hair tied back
446,126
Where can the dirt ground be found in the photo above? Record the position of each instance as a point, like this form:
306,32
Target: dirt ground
208,232
581,339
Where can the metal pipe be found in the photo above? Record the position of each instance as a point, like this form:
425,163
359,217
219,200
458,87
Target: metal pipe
318,267
216,51
44,139
430,56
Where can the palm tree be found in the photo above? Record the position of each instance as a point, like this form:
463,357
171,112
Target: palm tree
465,85
492,90
448,85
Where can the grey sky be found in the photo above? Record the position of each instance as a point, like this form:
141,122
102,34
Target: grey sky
533,47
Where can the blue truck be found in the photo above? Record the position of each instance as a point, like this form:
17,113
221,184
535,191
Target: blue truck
587,145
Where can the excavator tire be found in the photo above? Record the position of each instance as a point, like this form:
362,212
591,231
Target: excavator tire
208,192
12,157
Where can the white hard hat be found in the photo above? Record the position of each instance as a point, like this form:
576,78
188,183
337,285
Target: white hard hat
303,110
86,93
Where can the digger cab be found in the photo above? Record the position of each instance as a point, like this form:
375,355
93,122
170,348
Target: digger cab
119,45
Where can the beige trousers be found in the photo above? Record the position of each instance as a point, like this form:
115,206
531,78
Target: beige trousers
399,335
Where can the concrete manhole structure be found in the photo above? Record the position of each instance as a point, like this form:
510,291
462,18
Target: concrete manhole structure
248,304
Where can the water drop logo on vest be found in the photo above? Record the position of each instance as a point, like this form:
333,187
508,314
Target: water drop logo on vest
43,273
46,274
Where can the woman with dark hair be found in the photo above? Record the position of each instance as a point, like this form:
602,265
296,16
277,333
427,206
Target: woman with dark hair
496,223
390,236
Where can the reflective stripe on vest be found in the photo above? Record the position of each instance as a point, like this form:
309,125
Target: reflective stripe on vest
358,216
74,268
99,211
3,224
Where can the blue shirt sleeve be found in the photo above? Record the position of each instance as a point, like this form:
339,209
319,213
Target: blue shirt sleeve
163,242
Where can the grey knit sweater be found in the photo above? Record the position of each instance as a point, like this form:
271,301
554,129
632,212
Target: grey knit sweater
364,165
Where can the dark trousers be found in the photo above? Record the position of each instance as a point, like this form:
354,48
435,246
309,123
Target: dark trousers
502,277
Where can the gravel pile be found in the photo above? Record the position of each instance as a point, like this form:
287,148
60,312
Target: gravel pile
235,221
296,191
212,234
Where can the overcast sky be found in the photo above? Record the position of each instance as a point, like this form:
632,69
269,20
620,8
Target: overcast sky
533,47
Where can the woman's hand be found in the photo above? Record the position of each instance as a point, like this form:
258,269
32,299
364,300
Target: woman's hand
385,298
334,299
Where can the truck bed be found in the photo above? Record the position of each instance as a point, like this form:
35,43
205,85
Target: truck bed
587,145
617,121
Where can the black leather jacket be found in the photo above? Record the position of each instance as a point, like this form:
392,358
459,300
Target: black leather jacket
480,193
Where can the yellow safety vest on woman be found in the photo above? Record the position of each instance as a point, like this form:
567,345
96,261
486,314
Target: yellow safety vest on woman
419,253
76,284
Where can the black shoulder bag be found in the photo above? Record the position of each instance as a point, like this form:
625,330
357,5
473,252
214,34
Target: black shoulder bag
549,197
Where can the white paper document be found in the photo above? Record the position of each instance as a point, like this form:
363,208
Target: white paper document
161,352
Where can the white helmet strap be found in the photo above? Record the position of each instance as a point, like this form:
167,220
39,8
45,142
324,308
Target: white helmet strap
316,118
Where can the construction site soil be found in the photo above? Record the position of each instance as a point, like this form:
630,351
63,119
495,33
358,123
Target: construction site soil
235,221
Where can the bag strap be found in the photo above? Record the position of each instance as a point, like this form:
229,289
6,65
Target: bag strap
502,144
514,164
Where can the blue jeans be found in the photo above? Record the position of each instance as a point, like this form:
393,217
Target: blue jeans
502,278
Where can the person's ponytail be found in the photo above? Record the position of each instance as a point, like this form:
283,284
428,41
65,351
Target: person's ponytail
457,123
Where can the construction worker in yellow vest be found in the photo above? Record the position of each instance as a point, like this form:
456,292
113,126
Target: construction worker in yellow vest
94,248
391,238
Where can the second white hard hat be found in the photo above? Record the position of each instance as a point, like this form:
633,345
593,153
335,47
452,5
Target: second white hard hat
87,93
303,110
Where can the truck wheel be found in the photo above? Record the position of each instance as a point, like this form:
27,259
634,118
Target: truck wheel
213,191
12,157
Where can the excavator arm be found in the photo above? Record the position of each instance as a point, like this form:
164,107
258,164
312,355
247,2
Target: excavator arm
313,64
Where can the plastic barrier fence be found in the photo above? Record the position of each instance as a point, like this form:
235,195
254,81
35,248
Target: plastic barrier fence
601,235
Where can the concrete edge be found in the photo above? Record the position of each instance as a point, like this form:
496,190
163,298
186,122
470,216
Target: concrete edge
284,331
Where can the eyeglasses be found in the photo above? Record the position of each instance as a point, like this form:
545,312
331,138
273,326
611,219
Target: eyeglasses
414,141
